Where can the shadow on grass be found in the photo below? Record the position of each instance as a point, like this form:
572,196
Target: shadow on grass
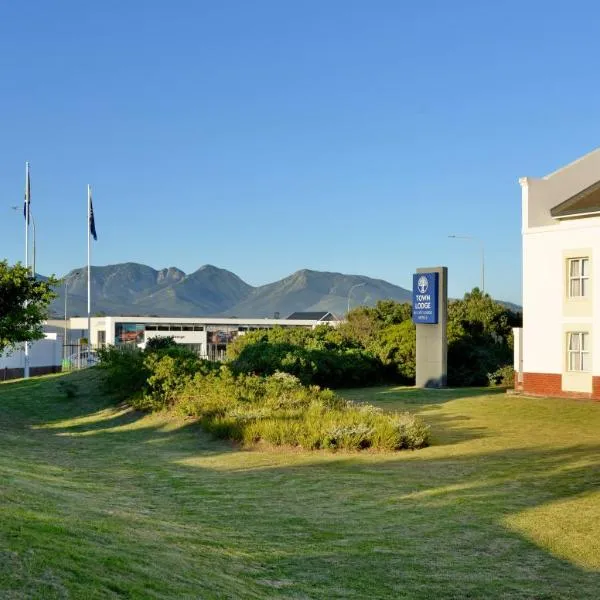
419,397
347,525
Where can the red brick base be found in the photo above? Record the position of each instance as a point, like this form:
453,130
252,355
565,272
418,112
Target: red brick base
550,384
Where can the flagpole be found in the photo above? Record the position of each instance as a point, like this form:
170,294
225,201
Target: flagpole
89,281
27,200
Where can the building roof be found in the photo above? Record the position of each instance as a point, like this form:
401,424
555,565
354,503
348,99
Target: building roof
585,202
312,316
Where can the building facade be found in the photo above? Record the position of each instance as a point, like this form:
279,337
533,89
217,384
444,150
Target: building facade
558,351
208,337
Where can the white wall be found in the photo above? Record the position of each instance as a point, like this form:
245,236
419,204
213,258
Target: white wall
44,353
544,280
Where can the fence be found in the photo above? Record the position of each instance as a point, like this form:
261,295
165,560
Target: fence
79,356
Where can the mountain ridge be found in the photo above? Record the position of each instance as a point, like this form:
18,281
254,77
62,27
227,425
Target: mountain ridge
134,289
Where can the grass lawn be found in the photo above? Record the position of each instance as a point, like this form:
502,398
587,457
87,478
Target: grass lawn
102,502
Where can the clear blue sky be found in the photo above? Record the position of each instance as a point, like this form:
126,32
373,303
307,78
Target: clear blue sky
269,136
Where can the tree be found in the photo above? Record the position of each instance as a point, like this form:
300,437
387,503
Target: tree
24,303
479,338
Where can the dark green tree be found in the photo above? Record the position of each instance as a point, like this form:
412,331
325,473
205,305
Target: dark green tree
24,303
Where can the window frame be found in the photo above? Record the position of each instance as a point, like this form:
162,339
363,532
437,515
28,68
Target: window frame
582,279
582,351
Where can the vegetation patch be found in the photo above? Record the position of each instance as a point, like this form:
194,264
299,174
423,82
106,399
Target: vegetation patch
279,410
275,409
378,345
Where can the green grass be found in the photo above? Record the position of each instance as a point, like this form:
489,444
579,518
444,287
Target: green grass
103,502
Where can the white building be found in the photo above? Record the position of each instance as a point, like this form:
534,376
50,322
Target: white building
559,349
44,357
208,336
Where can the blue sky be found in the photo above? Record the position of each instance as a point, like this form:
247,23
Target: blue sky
269,136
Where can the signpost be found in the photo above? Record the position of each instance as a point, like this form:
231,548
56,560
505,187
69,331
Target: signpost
430,315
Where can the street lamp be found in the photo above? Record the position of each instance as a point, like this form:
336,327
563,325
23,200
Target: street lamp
66,296
17,208
480,241
356,285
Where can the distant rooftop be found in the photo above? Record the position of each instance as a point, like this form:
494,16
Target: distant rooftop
312,316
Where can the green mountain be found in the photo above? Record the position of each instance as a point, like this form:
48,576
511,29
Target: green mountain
134,289
308,290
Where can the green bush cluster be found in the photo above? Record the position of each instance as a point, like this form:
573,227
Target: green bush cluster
280,411
150,378
276,409
378,345
126,371
315,364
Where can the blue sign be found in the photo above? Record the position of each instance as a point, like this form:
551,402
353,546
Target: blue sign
425,298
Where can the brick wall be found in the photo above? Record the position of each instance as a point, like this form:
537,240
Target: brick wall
550,384
545,384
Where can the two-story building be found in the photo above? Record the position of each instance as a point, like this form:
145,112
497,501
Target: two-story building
559,353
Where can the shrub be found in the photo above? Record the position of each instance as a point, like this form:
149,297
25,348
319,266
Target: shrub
276,409
169,369
156,344
504,376
279,410
312,357
150,378
126,373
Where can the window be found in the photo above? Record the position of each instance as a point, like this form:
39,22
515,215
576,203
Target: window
129,333
579,356
579,277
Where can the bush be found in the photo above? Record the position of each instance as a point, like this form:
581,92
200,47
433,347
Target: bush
315,357
126,373
169,369
150,378
279,410
504,376
276,409
156,344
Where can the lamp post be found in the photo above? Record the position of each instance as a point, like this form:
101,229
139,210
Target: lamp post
33,224
356,285
66,296
480,241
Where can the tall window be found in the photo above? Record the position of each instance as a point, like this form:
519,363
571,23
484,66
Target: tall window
579,357
579,277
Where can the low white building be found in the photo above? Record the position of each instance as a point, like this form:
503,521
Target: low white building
208,336
558,352
44,357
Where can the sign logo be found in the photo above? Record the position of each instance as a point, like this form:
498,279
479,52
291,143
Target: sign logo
422,284
425,298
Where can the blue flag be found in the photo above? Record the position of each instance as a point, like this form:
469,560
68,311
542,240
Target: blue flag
92,221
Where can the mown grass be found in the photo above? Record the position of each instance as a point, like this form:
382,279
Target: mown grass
98,501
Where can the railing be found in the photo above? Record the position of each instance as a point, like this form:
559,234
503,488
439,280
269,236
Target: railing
79,356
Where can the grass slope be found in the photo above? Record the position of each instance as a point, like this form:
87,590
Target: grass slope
101,502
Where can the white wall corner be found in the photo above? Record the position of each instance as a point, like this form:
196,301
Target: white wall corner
523,181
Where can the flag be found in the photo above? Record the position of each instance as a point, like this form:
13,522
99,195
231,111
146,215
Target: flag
26,204
92,221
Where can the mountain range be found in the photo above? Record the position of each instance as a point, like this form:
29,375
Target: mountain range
135,289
